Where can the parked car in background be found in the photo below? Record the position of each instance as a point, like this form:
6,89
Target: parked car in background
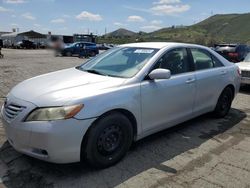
232,52
96,110
245,70
74,49
1,43
104,46
25,44
40,45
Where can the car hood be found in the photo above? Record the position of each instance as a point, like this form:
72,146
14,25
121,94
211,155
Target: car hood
244,65
62,87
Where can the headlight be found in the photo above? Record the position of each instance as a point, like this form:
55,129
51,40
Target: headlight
54,113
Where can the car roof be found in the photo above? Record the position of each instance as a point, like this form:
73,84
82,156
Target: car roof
159,45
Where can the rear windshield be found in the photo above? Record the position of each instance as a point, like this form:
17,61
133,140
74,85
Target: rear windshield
225,45
247,58
225,49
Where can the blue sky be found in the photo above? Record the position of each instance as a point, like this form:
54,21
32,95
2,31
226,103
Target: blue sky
81,16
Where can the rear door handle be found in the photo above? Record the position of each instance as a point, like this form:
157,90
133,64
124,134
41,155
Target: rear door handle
190,80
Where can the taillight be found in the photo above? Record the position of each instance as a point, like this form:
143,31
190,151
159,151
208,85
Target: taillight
233,54
239,71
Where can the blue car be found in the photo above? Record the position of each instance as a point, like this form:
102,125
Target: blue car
80,49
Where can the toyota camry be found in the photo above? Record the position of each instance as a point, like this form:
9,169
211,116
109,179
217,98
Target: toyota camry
93,112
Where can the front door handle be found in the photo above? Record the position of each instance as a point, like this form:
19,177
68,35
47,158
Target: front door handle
190,80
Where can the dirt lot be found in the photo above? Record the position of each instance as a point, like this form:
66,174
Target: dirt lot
204,152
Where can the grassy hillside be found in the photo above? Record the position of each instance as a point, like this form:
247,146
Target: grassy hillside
228,28
121,33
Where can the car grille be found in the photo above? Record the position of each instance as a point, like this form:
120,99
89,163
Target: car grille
12,110
245,74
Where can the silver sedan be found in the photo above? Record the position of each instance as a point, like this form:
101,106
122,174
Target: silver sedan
96,110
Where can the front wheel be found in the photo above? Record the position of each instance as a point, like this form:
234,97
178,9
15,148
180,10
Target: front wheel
92,54
108,140
224,103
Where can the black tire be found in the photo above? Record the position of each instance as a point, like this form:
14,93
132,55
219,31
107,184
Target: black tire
92,54
68,54
224,103
108,140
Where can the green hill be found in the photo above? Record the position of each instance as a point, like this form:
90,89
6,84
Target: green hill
121,33
228,28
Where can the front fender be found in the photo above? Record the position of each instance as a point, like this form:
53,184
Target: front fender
127,98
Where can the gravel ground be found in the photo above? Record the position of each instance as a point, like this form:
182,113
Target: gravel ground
203,152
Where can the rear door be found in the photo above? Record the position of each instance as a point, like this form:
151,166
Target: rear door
210,76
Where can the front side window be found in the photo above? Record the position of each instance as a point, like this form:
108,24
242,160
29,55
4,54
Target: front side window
119,62
175,60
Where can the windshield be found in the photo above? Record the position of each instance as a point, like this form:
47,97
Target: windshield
119,62
247,58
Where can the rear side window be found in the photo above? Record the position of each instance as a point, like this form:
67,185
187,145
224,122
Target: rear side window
216,61
90,44
204,60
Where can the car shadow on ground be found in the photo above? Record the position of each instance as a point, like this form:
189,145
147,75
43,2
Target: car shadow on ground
151,152
245,89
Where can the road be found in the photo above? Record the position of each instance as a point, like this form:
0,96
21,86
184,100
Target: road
203,152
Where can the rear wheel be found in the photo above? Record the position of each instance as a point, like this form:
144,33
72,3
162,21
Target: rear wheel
108,140
68,54
224,103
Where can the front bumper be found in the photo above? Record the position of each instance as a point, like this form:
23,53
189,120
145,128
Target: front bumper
245,80
52,141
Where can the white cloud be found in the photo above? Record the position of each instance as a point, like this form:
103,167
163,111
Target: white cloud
150,28
63,28
15,1
59,20
28,16
13,16
46,29
37,25
14,24
66,16
89,16
166,9
2,9
160,2
135,19
119,24
156,22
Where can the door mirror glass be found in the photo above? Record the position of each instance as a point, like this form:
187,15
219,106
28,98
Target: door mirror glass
157,74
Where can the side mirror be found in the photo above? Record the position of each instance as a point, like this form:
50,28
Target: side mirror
159,74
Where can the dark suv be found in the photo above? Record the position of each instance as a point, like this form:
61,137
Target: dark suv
75,49
232,52
27,44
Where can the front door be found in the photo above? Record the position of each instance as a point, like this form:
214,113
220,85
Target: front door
170,101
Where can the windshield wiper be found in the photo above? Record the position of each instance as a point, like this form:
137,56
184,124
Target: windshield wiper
94,71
